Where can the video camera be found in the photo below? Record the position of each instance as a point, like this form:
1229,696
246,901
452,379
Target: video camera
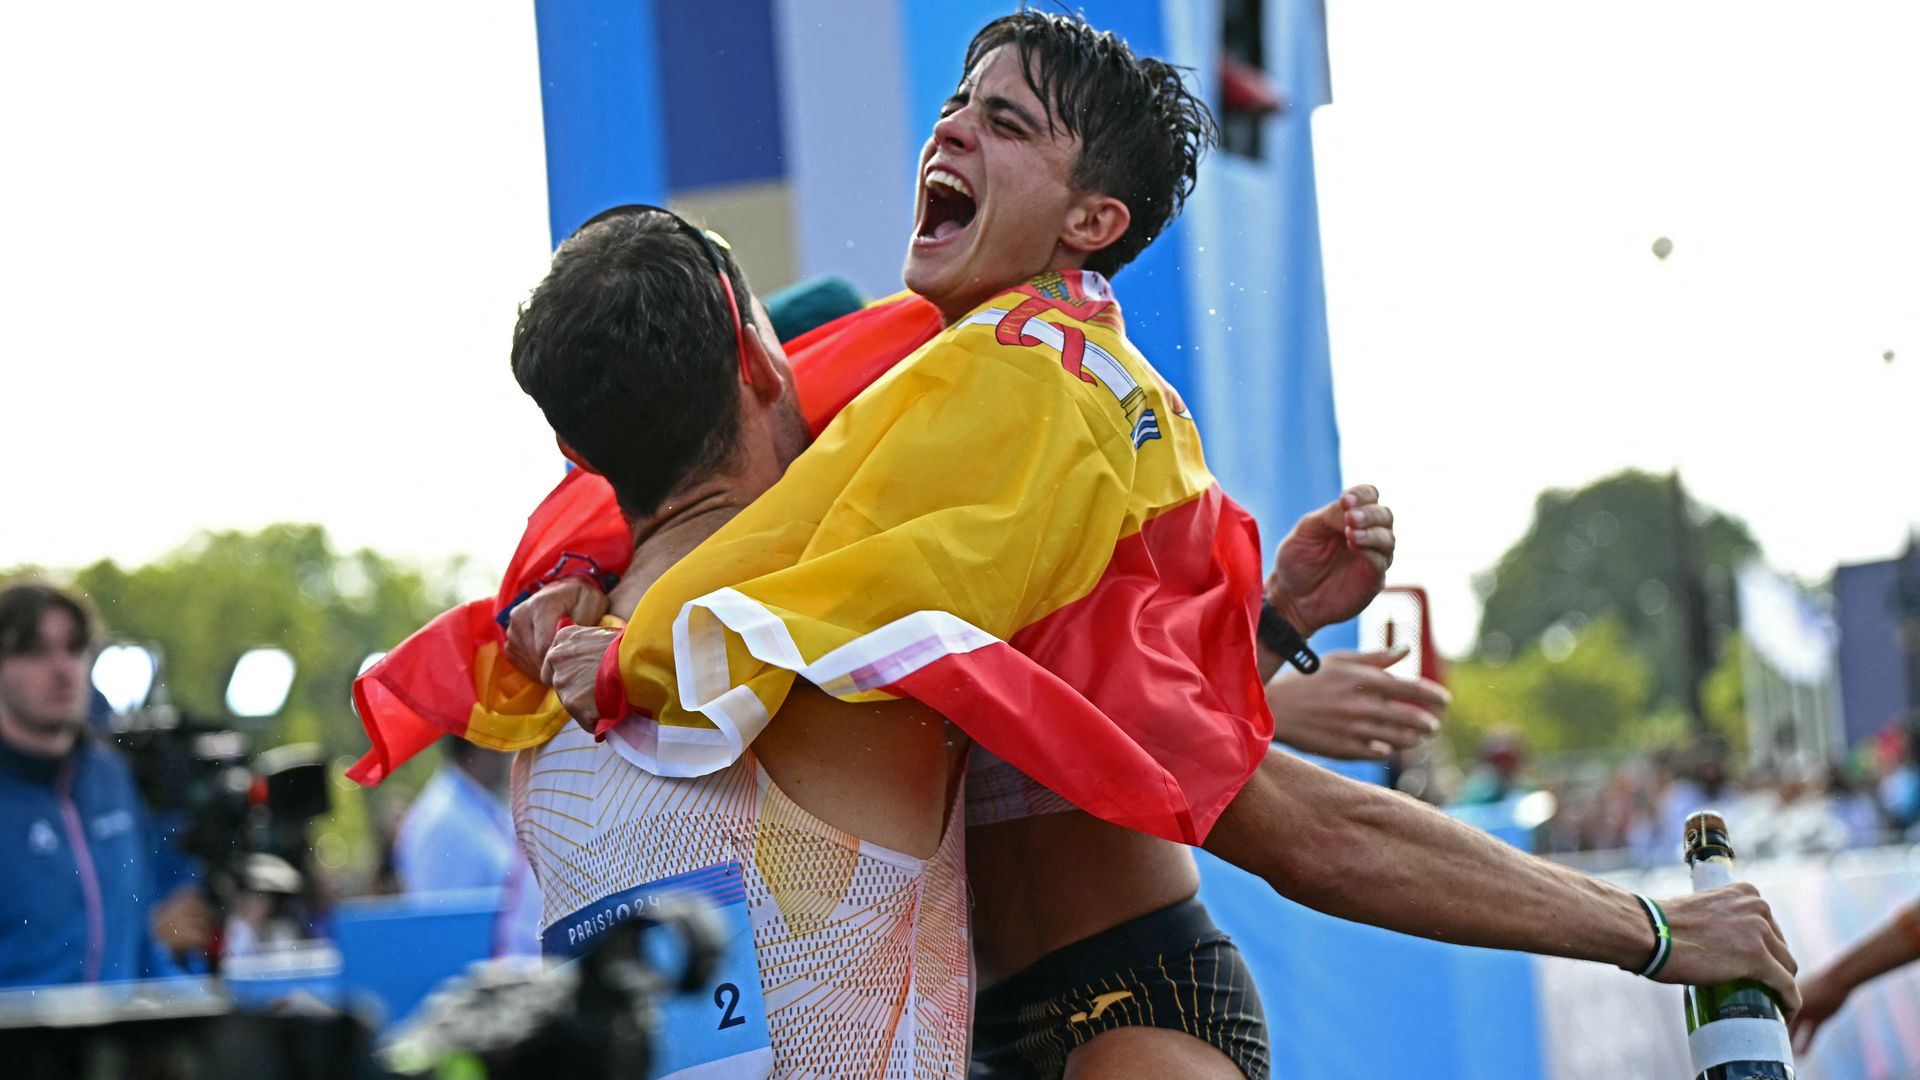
232,808
595,1018
243,816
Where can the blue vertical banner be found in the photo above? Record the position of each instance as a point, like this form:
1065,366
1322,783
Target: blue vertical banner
601,100
719,76
1309,434
1257,321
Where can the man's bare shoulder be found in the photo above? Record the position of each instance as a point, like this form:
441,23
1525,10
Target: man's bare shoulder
880,770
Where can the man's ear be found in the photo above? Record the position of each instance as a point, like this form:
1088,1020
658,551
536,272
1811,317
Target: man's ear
573,455
1095,222
767,371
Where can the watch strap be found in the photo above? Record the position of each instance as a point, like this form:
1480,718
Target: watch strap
1279,635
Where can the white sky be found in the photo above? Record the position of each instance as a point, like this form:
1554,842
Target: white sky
223,226
1492,178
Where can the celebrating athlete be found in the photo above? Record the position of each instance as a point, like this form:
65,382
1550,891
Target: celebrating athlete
1012,527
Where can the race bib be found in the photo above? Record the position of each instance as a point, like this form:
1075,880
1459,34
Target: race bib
718,1032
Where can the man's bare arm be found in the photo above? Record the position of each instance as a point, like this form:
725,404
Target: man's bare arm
1370,855
1891,944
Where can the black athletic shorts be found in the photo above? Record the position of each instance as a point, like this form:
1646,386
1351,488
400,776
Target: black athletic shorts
1170,968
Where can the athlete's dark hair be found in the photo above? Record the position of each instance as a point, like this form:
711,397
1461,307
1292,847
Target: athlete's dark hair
628,348
23,606
1142,132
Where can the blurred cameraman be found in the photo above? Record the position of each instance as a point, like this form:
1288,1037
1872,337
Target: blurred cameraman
77,899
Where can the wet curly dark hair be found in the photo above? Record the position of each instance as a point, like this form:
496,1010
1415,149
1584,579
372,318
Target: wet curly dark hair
1142,132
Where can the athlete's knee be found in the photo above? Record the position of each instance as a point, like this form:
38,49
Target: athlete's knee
1146,1053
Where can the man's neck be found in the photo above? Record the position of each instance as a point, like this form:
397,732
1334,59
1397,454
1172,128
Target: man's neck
48,742
952,312
951,316
683,521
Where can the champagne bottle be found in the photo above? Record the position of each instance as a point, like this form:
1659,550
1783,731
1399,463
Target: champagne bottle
1735,1030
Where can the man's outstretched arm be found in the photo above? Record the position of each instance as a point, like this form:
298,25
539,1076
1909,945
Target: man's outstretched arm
1891,944
1370,855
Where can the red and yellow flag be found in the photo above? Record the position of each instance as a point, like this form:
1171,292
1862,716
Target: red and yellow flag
451,677
1014,525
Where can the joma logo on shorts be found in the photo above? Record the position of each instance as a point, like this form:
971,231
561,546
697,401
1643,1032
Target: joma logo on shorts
1100,1006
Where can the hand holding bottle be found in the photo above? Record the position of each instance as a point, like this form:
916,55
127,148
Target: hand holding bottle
1726,934
1736,1027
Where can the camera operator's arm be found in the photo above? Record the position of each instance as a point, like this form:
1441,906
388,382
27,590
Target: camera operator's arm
179,917
1364,853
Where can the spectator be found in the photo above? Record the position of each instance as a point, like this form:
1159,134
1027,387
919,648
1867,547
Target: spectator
1899,786
1497,776
76,887
458,834
1797,816
1850,787
1696,779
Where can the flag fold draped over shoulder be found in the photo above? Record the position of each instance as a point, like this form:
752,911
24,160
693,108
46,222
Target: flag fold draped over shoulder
452,677
1013,525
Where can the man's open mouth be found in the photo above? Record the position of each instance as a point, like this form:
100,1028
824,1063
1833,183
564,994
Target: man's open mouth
949,206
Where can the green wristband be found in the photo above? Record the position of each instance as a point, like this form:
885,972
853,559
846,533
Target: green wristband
1662,938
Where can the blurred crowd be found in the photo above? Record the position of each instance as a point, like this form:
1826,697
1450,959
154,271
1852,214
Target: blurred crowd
1610,813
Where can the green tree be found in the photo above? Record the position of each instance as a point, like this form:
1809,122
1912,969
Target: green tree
1592,692
1607,551
223,593
1723,696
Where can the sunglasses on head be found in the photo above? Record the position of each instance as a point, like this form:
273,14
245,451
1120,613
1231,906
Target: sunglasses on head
710,243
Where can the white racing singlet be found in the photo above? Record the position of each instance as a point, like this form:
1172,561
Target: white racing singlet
863,953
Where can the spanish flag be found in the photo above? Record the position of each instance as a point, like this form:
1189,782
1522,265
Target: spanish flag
1015,526
452,677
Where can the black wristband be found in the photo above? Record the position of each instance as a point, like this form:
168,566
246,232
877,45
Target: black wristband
1278,635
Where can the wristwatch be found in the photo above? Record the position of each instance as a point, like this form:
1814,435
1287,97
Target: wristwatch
1278,635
